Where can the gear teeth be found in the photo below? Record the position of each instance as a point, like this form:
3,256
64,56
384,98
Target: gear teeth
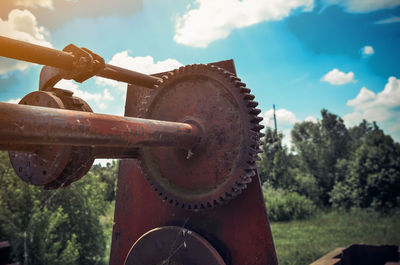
252,165
239,83
256,150
252,104
245,90
254,111
248,96
258,127
256,119
252,130
249,173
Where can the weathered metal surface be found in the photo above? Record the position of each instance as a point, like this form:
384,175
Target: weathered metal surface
23,124
70,61
81,158
357,254
220,166
45,163
172,245
239,230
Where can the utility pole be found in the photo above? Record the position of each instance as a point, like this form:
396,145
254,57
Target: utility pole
276,128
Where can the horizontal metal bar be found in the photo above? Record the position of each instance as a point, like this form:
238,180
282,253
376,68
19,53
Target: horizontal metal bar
23,124
25,51
33,53
128,76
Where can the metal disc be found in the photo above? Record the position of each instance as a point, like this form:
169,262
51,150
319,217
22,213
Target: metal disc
170,245
46,163
81,158
220,166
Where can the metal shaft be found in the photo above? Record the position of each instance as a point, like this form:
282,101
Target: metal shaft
33,53
32,125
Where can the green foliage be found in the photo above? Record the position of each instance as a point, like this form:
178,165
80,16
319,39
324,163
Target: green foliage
319,146
108,175
285,206
373,174
276,162
53,227
333,165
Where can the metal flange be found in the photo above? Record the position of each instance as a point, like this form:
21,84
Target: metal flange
171,245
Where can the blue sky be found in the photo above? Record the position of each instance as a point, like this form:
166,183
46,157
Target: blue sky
302,55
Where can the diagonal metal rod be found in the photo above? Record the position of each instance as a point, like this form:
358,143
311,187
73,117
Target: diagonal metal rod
33,53
28,125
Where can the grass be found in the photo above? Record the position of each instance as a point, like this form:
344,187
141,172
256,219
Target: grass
302,242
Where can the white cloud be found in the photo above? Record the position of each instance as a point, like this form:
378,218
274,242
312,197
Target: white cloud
144,65
311,119
388,20
364,6
367,51
284,117
382,107
35,3
285,120
139,64
336,77
21,25
14,100
95,100
213,20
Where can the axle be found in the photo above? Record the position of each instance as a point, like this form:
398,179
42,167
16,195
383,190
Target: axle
24,125
69,61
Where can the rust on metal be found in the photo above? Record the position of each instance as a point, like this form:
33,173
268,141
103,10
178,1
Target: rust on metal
238,230
196,141
174,246
221,166
23,124
33,53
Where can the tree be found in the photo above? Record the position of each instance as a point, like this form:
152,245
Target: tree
319,146
52,227
373,172
275,161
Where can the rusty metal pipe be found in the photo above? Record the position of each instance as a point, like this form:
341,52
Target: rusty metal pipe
33,53
25,51
32,125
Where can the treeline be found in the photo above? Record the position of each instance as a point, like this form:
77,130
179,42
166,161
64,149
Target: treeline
60,226
330,165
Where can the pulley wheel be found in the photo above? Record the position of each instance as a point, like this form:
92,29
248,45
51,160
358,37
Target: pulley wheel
46,163
170,245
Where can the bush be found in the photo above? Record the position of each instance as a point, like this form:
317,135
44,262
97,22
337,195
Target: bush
285,205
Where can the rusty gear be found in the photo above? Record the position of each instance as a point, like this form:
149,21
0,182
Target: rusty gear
218,168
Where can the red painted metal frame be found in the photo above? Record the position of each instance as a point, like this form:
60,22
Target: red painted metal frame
239,230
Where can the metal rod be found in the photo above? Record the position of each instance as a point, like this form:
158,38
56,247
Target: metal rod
25,51
128,76
27,125
33,53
